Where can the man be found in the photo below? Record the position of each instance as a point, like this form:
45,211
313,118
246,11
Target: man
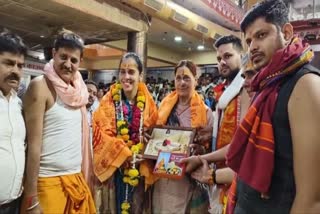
220,176
275,152
12,127
210,101
58,134
91,106
232,105
230,101
248,73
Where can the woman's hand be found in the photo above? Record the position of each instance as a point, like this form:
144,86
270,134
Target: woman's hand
129,161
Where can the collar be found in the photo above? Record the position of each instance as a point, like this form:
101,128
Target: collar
13,94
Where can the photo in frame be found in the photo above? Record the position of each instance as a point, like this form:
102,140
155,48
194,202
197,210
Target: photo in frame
169,139
168,165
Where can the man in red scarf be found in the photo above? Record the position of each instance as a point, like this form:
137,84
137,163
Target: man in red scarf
275,150
58,134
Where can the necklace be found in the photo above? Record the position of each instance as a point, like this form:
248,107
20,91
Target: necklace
180,110
127,133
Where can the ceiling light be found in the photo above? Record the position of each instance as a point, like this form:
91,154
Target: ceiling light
41,56
178,38
41,36
200,47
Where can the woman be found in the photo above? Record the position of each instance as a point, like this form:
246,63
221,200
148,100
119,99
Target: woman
184,108
118,126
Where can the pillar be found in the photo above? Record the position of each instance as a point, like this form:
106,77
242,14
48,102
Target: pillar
137,42
90,74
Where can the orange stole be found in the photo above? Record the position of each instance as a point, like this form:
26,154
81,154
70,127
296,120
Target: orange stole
227,129
111,152
228,124
198,109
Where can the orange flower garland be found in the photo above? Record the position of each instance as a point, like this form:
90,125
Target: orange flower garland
131,176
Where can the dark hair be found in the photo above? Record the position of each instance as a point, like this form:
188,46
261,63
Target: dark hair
135,57
12,43
87,82
229,39
274,11
68,39
189,64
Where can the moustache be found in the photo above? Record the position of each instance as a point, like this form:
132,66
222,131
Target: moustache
224,67
64,68
13,76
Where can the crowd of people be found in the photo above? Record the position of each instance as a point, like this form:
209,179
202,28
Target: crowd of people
66,149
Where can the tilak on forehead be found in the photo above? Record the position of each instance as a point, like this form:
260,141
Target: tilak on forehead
185,71
129,64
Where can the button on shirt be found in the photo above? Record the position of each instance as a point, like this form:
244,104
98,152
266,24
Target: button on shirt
12,147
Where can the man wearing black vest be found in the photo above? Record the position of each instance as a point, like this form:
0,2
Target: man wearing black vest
275,151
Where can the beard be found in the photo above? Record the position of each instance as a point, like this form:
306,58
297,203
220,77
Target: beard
232,74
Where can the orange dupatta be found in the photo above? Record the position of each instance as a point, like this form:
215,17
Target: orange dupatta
198,109
110,152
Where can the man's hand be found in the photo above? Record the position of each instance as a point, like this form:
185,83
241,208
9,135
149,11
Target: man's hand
25,204
192,163
36,210
203,174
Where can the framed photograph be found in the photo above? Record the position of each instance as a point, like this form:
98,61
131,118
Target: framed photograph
169,139
168,165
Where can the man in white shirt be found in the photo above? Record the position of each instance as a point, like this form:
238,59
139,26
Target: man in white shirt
12,127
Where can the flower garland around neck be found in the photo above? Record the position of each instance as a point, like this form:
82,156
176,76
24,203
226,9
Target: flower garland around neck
135,144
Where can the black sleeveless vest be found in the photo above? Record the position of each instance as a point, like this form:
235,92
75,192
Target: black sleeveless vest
282,190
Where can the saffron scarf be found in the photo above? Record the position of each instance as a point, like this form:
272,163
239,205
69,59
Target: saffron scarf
198,109
227,115
251,153
110,152
75,95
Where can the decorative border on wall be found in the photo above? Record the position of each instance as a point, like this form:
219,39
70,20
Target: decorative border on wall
227,9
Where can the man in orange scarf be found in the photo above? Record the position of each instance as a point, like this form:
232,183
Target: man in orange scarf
275,150
232,102
58,134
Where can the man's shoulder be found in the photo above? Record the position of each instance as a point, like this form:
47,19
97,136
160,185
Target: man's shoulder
308,76
38,82
307,83
37,87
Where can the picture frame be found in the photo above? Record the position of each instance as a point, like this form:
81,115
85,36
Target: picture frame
169,139
168,165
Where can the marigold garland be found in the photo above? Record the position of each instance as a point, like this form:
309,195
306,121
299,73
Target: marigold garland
131,176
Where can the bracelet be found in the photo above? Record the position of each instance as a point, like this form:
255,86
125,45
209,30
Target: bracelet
214,177
33,206
211,179
29,199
